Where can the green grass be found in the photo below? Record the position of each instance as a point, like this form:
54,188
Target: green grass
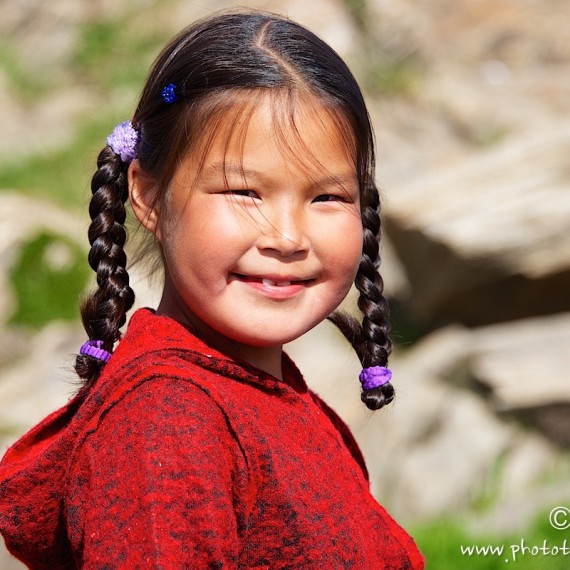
47,278
441,542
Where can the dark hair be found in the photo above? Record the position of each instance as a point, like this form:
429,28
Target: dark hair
209,63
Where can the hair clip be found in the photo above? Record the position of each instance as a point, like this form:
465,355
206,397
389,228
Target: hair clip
124,141
93,348
168,95
374,377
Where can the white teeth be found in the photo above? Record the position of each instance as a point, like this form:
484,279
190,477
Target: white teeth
271,283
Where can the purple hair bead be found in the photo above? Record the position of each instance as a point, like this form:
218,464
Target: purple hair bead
93,348
374,377
124,141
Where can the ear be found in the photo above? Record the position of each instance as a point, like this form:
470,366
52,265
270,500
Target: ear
142,195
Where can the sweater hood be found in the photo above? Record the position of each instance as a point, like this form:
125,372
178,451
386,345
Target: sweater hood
35,470
32,481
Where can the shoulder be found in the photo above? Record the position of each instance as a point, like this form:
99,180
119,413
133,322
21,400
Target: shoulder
162,430
158,416
158,469
165,407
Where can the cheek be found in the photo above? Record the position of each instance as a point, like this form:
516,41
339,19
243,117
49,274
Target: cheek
347,250
344,251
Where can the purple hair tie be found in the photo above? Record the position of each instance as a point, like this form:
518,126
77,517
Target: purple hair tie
93,348
124,141
374,377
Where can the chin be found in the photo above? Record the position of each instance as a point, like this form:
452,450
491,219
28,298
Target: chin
268,341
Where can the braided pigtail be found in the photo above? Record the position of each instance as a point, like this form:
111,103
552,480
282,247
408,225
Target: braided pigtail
370,338
104,312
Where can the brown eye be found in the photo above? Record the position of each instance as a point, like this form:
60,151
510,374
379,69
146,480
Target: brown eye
330,198
244,192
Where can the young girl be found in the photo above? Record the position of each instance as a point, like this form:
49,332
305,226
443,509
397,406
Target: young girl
194,442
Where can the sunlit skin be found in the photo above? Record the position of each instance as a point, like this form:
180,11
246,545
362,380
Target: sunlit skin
258,248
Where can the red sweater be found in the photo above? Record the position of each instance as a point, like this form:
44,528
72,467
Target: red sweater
181,457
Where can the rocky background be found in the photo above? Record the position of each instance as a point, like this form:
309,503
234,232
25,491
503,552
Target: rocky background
471,105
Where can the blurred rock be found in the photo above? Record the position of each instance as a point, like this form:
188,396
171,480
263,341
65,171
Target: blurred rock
39,128
449,466
551,419
7,562
393,272
524,363
489,70
440,435
33,387
521,34
401,29
37,37
489,241
529,459
42,33
147,288
13,345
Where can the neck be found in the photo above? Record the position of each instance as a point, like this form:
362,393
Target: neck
266,358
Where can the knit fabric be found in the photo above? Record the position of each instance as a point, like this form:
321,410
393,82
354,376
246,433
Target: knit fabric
181,457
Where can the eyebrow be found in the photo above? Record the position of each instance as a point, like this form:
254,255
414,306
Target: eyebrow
217,168
224,168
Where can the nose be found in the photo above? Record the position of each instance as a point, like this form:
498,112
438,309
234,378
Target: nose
284,232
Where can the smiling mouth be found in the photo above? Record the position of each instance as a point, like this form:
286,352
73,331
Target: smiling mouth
271,282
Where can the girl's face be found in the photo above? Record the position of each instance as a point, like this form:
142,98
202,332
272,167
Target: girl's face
261,244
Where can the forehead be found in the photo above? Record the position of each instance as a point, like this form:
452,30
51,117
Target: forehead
304,130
